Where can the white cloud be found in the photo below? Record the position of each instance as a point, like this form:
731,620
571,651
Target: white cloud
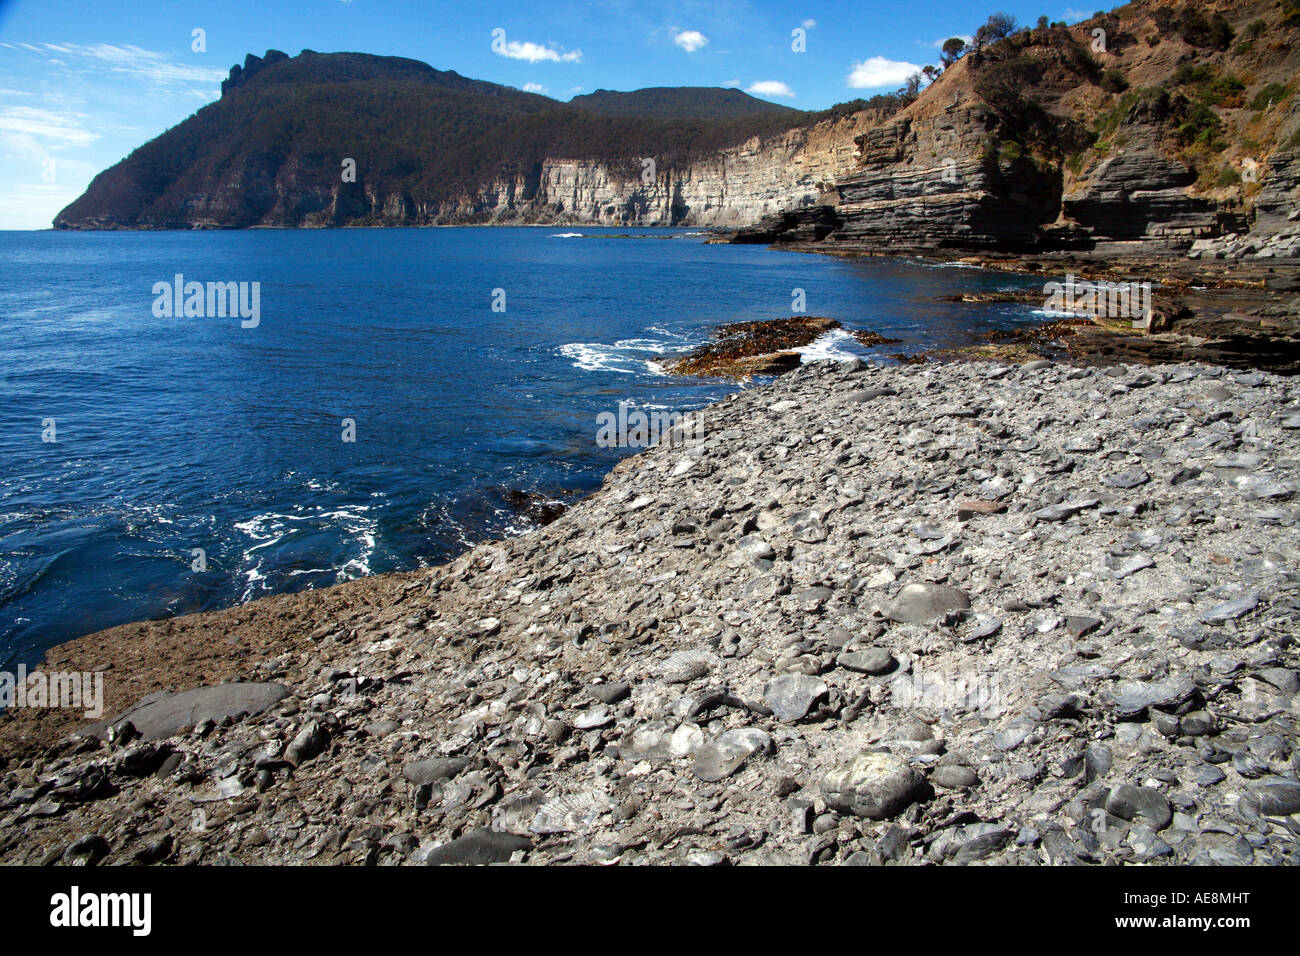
535,52
534,88
35,132
770,88
731,84
690,40
809,23
875,72
135,62
1075,16
938,44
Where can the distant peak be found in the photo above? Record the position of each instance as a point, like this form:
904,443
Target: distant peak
253,64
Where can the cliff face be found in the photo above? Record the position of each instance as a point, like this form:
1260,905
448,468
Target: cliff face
1157,142
735,187
732,188
928,181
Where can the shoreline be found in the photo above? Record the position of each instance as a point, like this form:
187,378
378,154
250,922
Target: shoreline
1239,313
745,612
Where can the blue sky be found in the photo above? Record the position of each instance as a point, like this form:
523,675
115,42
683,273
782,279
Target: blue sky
83,82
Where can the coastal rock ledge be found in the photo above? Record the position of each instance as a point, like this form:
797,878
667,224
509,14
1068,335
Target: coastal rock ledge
923,614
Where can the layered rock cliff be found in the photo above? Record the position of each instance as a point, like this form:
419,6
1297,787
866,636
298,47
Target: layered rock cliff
734,187
1127,132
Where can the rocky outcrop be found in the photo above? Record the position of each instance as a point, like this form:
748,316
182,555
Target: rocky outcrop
1277,207
907,615
253,64
1275,233
934,181
746,349
1141,194
1042,142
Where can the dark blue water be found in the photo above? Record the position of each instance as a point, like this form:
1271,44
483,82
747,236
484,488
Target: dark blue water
176,434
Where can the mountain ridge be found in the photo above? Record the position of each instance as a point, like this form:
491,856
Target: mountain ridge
423,142
678,102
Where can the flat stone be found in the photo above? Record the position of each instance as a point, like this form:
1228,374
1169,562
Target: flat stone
1065,509
1097,761
479,848
870,394
1277,796
979,841
873,785
1078,625
724,755
1127,479
1131,698
594,717
925,602
610,693
163,714
1284,679
1132,803
954,777
870,660
1014,734
1084,444
791,696
969,509
1230,610
1078,676
1207,775
986,625
1132,564
432,770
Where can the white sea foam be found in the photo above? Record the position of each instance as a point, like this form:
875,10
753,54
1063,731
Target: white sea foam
268,531
626,356
835,344
566,235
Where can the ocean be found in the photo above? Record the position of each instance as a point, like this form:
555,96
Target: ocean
387,398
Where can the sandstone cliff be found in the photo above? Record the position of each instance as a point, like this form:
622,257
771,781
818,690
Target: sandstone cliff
1127,132
734,187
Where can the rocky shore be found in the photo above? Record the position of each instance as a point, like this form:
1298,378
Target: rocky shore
1236,312
946,613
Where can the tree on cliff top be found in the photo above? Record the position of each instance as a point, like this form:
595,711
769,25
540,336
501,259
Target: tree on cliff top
999,26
